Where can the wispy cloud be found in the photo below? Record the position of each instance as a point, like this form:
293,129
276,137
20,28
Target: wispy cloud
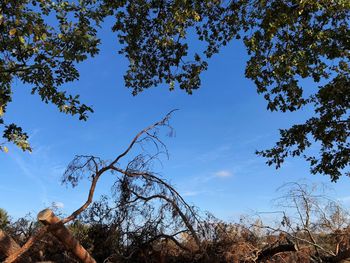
29,172
193,193
223,173
221,152
206,177
202,192
57,205
254,140
40,170
190,193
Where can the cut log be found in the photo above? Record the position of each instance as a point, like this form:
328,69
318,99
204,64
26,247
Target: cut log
7,244
47,217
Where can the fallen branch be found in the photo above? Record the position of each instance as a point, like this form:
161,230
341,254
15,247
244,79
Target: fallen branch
275,249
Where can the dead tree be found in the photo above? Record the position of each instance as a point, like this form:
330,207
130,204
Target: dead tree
135,183
317,222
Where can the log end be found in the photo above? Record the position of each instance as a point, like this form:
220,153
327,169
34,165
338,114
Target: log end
46,216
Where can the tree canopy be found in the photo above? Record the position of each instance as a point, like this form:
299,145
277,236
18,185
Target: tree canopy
42,55
288,42
296,40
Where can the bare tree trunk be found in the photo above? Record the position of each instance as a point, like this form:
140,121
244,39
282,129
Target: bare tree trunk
47,217
7,244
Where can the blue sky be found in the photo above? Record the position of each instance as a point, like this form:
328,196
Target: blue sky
212,161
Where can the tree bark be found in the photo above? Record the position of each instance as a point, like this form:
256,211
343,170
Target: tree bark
47,217
7,244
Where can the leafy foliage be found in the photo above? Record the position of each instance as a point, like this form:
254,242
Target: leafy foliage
296,40
289,42
41,41
154,35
